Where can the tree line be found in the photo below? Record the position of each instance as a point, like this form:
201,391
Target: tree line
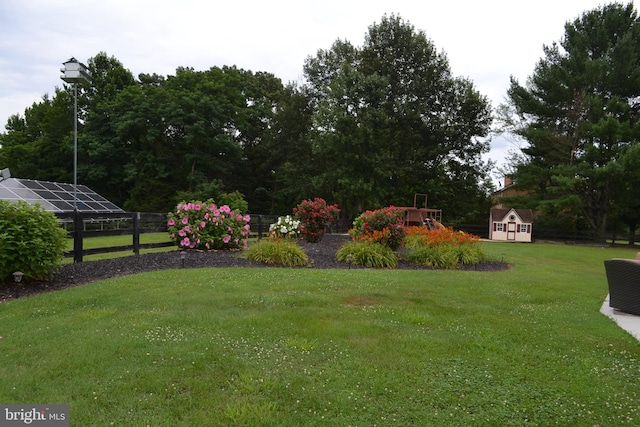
370,126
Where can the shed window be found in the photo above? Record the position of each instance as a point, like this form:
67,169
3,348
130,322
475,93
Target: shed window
524,228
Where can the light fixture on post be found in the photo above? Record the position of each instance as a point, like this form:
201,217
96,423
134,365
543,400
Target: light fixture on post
75,72
5,174
17,276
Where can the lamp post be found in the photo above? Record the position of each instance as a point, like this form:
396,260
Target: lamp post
17,276
75,72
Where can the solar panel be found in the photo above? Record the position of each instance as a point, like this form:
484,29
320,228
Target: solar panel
55,197
50,185
31,184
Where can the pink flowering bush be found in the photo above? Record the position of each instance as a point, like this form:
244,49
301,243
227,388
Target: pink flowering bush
313,216
205,226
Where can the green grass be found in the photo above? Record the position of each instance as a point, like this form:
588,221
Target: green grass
293,347
123,240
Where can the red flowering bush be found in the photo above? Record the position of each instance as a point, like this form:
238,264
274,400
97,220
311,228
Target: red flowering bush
384,226
314,216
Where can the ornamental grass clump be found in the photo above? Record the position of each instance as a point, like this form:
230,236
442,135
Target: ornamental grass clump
368,254
442,248
31,241
384,226
277,252
279,248
314,215
206,226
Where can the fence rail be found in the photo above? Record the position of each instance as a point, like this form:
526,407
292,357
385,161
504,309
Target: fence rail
82,225
133,223
553,234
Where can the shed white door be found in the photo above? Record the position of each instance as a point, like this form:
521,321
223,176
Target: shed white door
511,231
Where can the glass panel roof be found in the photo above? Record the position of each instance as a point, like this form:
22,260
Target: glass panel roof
55,197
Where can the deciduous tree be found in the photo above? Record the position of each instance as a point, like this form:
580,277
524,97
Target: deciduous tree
391,120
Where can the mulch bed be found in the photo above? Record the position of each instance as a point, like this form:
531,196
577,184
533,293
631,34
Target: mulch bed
322,255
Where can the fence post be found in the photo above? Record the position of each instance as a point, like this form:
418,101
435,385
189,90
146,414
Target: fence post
78,229
136,233
259,227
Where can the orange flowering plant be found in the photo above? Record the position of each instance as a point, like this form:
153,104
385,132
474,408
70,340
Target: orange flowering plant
440,236
384,226
443,248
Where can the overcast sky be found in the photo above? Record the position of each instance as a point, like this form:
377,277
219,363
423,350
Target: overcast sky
486,41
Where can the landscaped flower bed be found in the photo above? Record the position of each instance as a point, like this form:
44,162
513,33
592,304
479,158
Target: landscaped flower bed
439,248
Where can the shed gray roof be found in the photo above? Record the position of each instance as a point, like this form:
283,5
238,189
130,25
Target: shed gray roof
526,215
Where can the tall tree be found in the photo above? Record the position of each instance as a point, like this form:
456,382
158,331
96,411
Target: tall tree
40,144
578,110
392,120
186,132
291,160
102,155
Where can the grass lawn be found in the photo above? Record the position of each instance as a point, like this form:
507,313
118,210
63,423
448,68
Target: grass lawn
294,347
114,241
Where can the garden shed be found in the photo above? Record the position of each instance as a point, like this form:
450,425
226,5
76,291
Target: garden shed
510,225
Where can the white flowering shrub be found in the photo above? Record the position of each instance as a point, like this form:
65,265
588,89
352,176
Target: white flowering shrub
285,228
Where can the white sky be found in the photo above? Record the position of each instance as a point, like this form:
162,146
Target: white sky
486,41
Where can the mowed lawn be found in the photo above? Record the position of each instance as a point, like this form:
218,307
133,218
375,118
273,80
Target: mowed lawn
307,347
119,240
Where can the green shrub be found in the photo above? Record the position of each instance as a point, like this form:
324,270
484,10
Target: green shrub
469,254
277,252
384,226
445,256
235,200
213,190
412,242
31,241
434,256
367,253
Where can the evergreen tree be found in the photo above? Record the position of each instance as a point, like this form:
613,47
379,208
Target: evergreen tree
578,111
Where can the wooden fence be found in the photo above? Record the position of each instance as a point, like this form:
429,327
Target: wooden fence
82,225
